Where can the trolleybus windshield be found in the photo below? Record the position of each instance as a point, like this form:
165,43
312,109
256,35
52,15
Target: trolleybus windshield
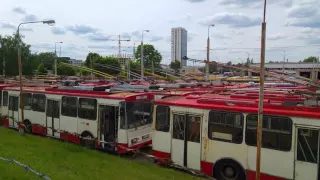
138,113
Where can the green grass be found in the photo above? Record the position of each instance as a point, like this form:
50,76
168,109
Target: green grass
64,161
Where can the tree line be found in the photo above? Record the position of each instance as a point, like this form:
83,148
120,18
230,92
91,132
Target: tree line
43,63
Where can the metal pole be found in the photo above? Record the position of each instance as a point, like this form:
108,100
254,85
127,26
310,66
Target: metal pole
284,59
4,61
208,54
91,64
55,59
142,73
4,66
261,93
21,127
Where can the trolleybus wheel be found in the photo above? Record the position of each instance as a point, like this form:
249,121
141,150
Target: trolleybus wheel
228,170
27,126
85,142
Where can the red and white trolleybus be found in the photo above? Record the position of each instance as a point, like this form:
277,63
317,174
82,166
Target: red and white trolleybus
112,121
217,136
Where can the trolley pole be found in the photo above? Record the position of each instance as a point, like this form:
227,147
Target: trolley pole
261,93
141,53
208,54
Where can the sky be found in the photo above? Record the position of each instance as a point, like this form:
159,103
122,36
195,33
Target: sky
293,27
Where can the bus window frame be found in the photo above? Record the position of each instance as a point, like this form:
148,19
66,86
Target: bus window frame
126,124
277,132
36,106
167,120
27,104
69,108
5,98
211,123
94,109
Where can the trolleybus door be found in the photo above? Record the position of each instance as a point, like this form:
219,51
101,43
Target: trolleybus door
53,118
13,113
307,154
186,137
108,125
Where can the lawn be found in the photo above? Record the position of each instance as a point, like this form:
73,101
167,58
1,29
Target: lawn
64,161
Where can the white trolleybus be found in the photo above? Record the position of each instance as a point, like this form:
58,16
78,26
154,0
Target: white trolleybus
119,121
217,136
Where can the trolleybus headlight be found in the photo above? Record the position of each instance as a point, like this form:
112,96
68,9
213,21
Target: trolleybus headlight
133,141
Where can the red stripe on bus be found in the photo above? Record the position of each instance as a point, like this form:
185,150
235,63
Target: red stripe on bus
6,122
162,157
70,137
207,168
251,175
38,129
124,148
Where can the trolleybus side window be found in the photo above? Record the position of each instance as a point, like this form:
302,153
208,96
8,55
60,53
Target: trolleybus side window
69,106
27,97
276,132
39,102
163,118
307,147
226,126
13,103
53,109
87,108
5,98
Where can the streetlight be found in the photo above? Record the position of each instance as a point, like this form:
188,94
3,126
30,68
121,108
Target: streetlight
142,73
49,22
55,60
208,52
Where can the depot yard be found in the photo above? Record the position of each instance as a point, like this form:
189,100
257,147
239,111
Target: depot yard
61,160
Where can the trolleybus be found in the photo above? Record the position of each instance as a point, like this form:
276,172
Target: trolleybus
112,121
218,137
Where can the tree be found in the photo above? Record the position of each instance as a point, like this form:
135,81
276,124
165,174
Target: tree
175,65
91,57
66,70
311,59
108,65
48,59
41,69
9,54
150,55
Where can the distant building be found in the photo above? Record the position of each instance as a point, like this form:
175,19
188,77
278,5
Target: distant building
123,58
179,40
75,62
308,70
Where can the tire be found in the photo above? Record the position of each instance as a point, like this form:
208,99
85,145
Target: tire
228,170
87,143
27,127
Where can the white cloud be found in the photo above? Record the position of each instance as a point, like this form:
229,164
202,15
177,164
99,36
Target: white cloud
231,19
276,36
237,25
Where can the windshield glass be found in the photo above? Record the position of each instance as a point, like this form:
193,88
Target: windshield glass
138,113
